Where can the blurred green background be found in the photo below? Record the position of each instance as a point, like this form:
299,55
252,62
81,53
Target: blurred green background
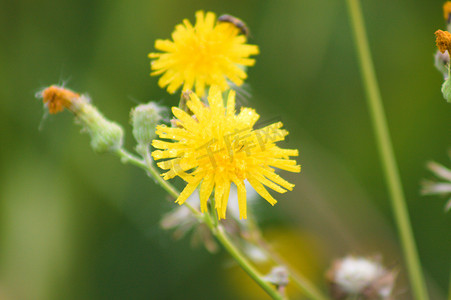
77,225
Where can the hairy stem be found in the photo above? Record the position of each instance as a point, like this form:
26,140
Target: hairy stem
147,164
216,229
220,234
386,152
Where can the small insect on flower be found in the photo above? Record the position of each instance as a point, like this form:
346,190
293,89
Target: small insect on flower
215,147
235,21
209,53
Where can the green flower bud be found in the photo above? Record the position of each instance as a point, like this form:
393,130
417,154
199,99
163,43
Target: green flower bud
106,136
441,62
144,118
446,90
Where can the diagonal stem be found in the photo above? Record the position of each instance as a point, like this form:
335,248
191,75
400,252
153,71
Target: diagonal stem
220,234
386,152
449,291
298,279
216,229
147,165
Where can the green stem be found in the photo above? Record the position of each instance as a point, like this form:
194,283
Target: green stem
127,157
298,279
386,152
215,228
246,265
449,292
147,165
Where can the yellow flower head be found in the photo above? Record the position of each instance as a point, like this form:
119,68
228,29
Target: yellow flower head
208,53
215,147
447,10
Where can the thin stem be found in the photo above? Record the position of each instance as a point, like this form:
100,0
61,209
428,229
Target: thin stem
449,292
302,282
246,265
215,228
147,164
128,157
386,152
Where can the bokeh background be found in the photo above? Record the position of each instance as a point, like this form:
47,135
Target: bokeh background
78,225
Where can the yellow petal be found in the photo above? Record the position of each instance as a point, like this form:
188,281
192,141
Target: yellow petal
268,183
260,189
276,178
219,191
187,191
231,103
225,199
241,190
186,120
205,191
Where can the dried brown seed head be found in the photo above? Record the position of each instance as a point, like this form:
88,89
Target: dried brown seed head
57,98
443,40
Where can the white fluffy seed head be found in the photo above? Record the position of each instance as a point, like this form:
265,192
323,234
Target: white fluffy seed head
354,274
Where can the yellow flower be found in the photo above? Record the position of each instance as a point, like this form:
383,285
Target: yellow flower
215,147
447,10
208,53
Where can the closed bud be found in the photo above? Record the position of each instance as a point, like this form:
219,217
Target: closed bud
106,136
441,62
446,90
144,119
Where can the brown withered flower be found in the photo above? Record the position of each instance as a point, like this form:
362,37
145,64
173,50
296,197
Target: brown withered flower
57,98
443,40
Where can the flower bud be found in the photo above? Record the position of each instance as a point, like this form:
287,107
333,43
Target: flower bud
144,118
105,135
441,62
446,90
